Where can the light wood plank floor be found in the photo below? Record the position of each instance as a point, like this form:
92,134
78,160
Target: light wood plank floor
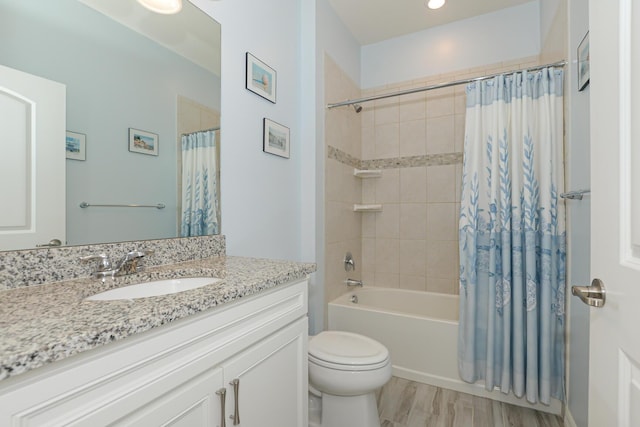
404,403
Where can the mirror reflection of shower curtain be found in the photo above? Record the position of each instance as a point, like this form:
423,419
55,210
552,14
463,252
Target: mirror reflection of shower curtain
199,185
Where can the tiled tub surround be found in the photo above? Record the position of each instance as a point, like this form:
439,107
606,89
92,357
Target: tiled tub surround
50,322
38,266
394,163
417,141
342,189
412,243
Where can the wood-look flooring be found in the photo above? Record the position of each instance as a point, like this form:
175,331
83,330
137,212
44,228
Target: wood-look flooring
404,403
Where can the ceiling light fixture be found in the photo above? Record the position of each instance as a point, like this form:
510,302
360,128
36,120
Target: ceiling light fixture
435,4
165,7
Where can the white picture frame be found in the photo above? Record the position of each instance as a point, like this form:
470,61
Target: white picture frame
76,146
143,142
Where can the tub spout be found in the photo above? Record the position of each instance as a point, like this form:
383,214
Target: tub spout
352,282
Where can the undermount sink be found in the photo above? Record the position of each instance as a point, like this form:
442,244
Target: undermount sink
155,288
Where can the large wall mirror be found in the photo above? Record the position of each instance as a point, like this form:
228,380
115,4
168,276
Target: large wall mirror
130,75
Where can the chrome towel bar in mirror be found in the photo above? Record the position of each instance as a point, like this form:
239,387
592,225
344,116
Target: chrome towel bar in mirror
575,195
87,205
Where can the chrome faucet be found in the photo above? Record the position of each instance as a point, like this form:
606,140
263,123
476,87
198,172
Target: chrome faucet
353,282
127,265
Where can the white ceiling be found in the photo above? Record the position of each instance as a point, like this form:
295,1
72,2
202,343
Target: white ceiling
190,33
371,21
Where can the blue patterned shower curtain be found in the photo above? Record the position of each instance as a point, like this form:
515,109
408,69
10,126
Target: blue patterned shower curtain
199,184
512,236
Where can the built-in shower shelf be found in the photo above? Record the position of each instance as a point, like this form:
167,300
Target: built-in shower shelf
367,208
367,173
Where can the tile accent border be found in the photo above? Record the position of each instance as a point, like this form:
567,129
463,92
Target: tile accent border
395,162
342,157
38,266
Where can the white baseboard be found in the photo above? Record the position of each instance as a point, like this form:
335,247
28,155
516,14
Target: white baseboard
477,390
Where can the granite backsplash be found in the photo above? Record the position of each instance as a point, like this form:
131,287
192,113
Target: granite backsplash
38,266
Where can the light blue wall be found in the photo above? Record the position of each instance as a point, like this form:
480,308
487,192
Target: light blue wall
335,39
262,213
482,40
268,203
116,79
579,217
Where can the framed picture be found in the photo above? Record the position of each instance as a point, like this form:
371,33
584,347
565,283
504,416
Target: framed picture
583,62
275,139
261,78
143,142
76,146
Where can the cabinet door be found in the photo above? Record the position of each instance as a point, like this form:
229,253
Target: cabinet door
272,381
193,403
179,397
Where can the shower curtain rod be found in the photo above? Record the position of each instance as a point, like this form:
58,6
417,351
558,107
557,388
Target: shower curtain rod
203,130
440,86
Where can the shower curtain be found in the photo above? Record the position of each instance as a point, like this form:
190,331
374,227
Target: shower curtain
512,236
199,184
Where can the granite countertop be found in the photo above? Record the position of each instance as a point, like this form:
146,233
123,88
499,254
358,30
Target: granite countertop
46,323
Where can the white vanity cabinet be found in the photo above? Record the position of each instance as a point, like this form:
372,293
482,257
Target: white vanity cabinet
175,375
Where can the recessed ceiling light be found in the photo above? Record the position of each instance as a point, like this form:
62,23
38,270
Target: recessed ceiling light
165,7
435,4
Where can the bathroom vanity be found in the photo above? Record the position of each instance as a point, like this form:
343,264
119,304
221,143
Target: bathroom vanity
232,353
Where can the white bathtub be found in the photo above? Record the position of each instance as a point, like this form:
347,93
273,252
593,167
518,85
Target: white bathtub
420,329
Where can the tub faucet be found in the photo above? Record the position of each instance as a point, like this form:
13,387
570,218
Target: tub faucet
353,282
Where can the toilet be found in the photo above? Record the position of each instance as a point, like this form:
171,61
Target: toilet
345,369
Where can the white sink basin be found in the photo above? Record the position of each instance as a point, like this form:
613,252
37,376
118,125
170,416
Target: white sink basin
155,288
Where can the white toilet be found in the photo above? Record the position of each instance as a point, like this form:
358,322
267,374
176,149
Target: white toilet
345,369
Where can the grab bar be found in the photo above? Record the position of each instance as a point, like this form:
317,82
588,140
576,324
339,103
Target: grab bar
87,205
575,195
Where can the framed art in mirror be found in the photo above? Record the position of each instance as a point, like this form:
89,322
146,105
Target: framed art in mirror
143,142
76,146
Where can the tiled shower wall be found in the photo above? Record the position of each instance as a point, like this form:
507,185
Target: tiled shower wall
417,141
413,242
342,189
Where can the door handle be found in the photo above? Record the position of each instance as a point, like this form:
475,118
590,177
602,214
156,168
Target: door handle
594,295
223,394
236,397
52,244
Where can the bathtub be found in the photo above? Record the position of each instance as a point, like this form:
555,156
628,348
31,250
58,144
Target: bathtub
420,329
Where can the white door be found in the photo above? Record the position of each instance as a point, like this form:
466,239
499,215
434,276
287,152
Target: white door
614,373
32,160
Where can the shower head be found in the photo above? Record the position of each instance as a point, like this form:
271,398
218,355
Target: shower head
357,107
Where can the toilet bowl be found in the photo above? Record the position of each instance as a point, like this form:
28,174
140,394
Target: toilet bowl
345,369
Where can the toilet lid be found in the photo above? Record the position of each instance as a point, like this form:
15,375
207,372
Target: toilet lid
346,348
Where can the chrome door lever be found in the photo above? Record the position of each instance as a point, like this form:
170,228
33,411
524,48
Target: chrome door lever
53,243
594,295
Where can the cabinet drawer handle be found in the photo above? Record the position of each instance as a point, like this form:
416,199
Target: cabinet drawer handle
223,394
236,396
